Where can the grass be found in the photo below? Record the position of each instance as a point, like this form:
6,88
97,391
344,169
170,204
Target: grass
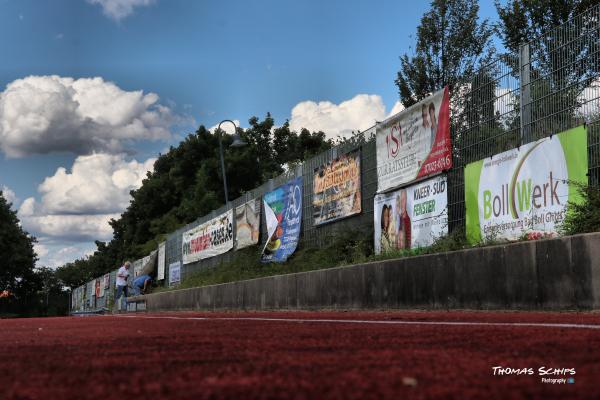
356,247
345,249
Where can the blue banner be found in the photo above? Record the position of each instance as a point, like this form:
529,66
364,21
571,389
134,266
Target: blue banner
283,213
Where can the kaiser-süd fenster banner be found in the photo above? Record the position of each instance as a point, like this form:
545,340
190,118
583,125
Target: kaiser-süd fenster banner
411,217
526,189
414,143
336,189
209,239
160,273
247,224
283,213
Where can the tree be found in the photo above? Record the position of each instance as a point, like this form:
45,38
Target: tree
564,42
52,299
186,183
521,21
17,258
451,45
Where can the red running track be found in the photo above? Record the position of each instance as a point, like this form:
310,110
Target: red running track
350,355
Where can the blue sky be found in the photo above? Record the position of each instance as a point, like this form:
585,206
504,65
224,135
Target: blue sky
197,62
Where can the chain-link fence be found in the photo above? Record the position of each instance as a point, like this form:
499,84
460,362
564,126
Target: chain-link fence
553,84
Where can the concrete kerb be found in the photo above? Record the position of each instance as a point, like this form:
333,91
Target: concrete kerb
561,273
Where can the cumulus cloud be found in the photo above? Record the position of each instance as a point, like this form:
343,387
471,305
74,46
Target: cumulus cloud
398,107
227,127
358,113
119,9
54,255
76,205
9,195
43,114
41,250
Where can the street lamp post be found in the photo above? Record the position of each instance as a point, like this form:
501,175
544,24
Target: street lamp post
237,142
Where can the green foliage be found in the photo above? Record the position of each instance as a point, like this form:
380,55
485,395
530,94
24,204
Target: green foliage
451,45
186,183
524,20
564,41
34,292
18,258
583,217
345,248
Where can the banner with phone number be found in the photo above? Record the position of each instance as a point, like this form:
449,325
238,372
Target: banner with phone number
414,143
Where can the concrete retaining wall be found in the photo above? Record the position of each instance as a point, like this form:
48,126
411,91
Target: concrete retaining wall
559,273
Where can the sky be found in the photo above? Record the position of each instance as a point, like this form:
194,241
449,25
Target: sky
91,91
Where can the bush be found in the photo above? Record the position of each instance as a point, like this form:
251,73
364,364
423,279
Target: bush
585,216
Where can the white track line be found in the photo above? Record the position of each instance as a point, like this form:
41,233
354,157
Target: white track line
356,321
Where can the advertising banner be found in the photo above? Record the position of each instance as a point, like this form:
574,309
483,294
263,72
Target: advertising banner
137,267
247,224
160,274
283,213
414,143
77,301
526,189
336,189
100,287
174,273
209,239
106,281
411,217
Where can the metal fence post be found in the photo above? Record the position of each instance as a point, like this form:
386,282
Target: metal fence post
525,98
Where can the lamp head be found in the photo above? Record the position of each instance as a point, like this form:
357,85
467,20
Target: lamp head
238,141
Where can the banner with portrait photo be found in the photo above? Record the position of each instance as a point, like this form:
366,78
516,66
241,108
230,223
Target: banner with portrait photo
283,213
336,189
411,217
414,143
208,239
247,224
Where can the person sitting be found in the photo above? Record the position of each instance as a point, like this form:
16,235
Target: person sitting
141,284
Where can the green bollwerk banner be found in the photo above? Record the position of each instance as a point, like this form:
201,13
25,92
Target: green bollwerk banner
526,189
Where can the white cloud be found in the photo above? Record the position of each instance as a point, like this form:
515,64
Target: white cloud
590,101
226,126
43,114
54,255
398,106
76,205
9,195
358,113
41,250
119,9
